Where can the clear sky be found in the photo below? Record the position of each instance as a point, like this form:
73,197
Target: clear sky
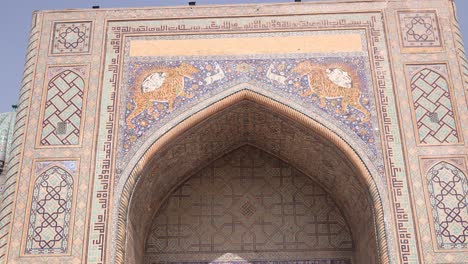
15,16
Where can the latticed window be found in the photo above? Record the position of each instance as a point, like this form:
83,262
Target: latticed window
63,109
433,108
49,224
448,192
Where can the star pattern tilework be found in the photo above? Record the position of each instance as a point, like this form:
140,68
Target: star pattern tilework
419,29
71,38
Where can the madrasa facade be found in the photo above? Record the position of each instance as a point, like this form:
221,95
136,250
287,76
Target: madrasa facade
329,132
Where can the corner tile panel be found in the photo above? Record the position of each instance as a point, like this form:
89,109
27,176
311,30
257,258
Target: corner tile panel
71,38
10,191
419,29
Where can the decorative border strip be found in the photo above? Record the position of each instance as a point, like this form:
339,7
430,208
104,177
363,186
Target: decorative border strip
460,50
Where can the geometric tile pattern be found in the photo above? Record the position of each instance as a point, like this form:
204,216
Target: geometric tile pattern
50,215
7,122
63,108
6,131
71,38
10,197
448,193
251,203
419,29
315,261
433,109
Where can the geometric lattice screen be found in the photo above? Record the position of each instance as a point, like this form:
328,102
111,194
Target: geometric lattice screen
419,29
251,205
448,195
63,110
433,108
49,221
71,37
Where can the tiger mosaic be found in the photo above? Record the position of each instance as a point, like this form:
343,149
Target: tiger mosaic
161,90
161,84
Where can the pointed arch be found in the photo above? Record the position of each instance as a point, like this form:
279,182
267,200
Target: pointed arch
447,187
61,117
49,221
373,185
433,109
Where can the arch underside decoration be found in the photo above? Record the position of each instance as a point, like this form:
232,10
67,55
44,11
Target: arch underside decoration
246,206
343,113
249,123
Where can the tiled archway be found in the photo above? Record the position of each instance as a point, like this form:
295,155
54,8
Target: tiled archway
249,206
217,131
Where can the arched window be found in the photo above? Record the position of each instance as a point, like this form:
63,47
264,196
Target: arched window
49,221
63,110
433,109
448,194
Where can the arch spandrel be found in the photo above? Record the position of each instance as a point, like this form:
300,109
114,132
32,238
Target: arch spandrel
345,104
140,175
264,97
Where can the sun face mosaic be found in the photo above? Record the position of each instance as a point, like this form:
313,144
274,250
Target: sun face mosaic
337,87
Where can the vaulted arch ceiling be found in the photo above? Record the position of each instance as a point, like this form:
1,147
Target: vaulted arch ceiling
249,123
